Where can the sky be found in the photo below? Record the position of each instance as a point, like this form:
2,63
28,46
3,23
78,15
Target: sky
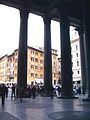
9,31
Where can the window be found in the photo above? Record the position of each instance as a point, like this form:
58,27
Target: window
32,74
78,72
41,76
36,67
41,61
76,47
36,75
41,55
77,63
77,54
54,75
32,82
36,60
32,52
41,68
36,53
32,66
32,58
54,82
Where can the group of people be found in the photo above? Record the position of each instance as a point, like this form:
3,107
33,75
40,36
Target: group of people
17,92
20,92
31,91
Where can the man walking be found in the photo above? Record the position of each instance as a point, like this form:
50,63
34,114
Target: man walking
3,91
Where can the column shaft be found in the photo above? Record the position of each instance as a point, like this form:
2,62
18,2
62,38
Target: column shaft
82,56
47,57
86,20
66,64
22,50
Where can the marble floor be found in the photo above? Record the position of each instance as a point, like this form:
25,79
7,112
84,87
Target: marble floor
45,108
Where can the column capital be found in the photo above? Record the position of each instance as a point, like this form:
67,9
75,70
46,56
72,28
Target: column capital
47,20
24,12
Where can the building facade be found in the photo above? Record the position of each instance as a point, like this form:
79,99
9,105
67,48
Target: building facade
4,68
76,60
35,66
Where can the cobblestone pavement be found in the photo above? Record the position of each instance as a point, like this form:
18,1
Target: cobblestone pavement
43,108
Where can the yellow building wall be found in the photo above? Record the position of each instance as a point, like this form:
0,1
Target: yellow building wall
35,65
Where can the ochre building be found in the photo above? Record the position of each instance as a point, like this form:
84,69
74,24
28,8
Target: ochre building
35,66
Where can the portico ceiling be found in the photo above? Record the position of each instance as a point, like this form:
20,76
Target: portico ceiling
50,7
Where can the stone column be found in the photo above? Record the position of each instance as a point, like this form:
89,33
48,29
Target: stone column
66,63
47,57
86,23
22,50
82,57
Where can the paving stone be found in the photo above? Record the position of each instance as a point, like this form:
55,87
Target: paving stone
7,116
44,108
70,115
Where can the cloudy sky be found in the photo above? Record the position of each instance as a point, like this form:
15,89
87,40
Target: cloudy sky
9,30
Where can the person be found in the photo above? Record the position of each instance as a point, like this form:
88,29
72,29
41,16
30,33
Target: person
29,91
79,89
58,91
6,91
3,91
13,92
34,92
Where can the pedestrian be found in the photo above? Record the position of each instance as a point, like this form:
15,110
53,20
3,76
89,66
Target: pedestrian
13,91
59,90
6,91
29,91
34,92
3,91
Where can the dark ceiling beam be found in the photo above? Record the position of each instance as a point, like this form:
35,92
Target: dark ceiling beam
75,22
18,4
9,3
52,9
53,4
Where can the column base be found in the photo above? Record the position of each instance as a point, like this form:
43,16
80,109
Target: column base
86,99
68,97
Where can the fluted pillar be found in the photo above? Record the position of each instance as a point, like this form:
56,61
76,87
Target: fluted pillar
82,56
47,57
86,24
66,63
22,50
